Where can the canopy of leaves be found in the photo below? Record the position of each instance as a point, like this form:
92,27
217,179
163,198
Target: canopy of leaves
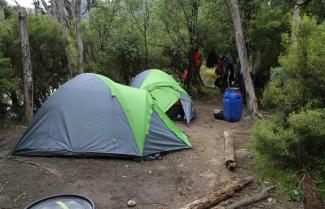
303,63
51,60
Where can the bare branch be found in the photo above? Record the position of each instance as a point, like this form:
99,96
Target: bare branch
17,3
46,7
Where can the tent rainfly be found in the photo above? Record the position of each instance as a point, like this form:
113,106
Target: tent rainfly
92,115
165,90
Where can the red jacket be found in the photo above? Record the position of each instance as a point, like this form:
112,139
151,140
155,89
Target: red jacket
185,74
197,60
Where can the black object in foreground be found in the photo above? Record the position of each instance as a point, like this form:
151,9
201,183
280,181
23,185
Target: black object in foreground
219,115
66,201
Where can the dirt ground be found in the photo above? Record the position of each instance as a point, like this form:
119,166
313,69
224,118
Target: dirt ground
177,179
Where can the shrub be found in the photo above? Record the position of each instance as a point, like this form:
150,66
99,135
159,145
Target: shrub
293,138
303,64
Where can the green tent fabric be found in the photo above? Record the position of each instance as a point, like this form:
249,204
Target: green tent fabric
93,115
165,90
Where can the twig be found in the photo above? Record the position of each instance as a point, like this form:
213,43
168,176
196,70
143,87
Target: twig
250,200
48,170
17,3
20,196
216,197
12,207
152,203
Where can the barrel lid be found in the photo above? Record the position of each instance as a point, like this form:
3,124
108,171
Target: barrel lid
65,201
232,89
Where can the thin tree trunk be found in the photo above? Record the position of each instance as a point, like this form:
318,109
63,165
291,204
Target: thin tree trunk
26,61
296,18
146,20
242,53
192,38
78,36
53,13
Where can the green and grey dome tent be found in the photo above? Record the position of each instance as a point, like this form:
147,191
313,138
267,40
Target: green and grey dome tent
92,115
165,90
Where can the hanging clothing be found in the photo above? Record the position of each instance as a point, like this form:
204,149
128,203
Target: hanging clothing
220,67
185,75
197,60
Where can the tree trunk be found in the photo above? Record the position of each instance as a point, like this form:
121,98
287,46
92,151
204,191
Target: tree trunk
66,12
192,38
146,21
242,53
311,199
80,45
296,19
252,199
26,61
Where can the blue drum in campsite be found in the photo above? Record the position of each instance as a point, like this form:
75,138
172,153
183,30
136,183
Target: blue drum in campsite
232,105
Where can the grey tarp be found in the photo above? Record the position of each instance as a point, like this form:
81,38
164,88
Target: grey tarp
189,110
83,118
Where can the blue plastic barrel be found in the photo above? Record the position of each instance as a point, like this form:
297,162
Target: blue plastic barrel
232,105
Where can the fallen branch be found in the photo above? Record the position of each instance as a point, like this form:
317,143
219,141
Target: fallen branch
20,196
216,197
250,200
48,170
151,203
311,200
229,151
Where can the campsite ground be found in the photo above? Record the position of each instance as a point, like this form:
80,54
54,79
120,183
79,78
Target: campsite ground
177,179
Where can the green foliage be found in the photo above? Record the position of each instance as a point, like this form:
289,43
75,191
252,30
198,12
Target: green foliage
51,54
50,61
292,142
264,35
8,83
285,147
215,29
283,178
117,51
293,138
303,65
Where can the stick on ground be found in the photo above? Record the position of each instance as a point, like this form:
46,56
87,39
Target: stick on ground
216,197
48,170
250,200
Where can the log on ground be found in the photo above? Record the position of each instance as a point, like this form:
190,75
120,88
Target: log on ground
216,197
229,151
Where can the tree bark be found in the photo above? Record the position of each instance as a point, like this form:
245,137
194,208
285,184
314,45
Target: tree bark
242,53
252,199
146,23
26,61
311,200
229,151
296,19
80,45
66,12
218,196
192,29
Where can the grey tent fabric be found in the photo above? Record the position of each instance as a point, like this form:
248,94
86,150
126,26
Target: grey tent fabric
137,81
74,121
82,118
189,110
160,138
